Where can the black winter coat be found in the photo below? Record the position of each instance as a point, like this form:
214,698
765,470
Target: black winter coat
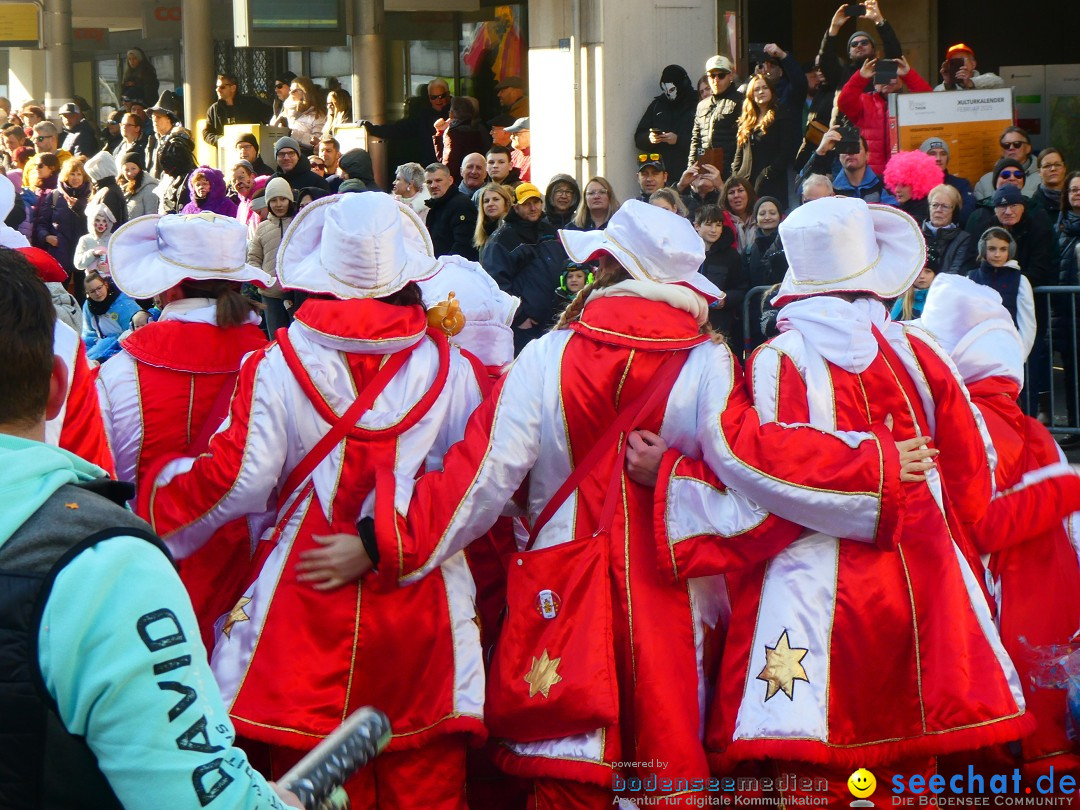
527,259
54,217
955,249
451,221
723,266
668,116
301,176
82,140
772,152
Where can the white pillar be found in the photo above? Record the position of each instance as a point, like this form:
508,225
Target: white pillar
26,76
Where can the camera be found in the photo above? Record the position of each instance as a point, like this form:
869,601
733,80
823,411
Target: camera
849,143
885,71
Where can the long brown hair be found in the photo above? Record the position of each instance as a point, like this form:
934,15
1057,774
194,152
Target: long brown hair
233,307
754,117
610,274
480,234
582,218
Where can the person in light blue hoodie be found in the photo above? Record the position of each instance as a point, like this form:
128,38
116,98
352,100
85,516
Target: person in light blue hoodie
106,697
107,315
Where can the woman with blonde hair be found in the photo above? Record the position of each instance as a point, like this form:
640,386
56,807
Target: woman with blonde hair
598,204
305,113
768,134
495,203
338,111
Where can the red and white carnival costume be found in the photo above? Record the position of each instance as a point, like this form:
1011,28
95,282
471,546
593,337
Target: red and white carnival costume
168,390
549,410
77,428
292,661
848,654
1031,530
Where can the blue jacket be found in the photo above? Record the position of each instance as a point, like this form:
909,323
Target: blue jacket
872,188
101,333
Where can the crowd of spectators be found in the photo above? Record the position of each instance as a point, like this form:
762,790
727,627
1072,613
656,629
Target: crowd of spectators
732,154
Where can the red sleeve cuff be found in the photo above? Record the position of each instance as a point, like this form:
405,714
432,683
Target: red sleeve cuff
891,503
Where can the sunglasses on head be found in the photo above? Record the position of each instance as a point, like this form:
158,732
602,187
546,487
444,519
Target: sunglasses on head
648,157
1013,144
1013,173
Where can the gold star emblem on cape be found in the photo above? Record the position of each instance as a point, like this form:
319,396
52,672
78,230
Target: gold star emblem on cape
236,615
543,675
782,667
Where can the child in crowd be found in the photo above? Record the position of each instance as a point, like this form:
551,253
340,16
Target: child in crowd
573,279
208,193
262,250
91,253
999,270
107,315
669,200
910,304
723,267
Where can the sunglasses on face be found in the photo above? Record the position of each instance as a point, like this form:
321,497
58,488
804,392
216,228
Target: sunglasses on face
1013,144
318,166
439,97
1007,173
279,85
41,138
718,74
861,43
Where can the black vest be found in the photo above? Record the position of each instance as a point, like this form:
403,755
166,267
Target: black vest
42,765
1006,280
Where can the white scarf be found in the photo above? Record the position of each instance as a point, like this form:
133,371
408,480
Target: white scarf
839,330
675,295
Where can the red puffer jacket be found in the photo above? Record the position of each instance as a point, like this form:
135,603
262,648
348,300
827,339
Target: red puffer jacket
870,113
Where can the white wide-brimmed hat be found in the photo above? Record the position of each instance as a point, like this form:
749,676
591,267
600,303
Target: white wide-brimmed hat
973,326
651,243
154,253
354,246
841,244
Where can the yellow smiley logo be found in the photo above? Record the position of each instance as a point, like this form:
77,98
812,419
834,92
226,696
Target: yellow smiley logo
862,783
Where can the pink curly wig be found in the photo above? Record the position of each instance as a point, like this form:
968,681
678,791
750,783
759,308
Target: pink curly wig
916,169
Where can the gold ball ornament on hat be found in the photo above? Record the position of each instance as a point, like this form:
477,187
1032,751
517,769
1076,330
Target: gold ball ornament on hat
446,316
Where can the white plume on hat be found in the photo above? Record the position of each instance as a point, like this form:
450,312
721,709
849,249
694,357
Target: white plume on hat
154,253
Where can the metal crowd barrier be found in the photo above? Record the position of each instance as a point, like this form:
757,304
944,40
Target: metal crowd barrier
1058,314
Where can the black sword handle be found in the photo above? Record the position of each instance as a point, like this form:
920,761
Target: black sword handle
350,747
